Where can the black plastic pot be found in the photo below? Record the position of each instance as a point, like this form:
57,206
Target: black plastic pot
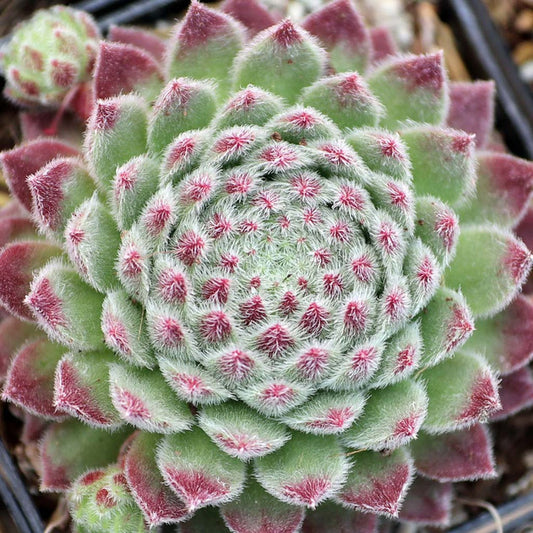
486,57
516,516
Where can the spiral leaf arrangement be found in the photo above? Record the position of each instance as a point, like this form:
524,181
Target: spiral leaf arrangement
250,304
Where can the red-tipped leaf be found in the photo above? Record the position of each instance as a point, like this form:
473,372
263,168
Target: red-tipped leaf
13,333
16,228
24,160
158,503
124,68
342,32
251,13
377,483
504,186
516,393
30,379
18,261
457,456
146,40
472,109
330,517
383,44
506,339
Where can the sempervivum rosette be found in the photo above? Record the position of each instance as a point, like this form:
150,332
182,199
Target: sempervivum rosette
254,277
50,59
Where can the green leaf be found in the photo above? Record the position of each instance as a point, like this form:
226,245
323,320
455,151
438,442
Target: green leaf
461,390
345,99
204,46
92,242
116,132
411,88
198,471
443,162
256,511
71,448
183,105
392,417
306,471
240,431
144,399
489,268
503,190
378,482
446,324
283,60
66,307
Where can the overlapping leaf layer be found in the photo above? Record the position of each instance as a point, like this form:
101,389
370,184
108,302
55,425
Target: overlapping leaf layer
275,277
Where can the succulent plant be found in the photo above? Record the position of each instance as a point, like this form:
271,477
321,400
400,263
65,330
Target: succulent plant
255,308
50,58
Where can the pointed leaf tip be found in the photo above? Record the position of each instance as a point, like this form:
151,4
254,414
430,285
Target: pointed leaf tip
378,483
22,161
516,393
116,132
30,380
346,99
146,40
124,68
240,431
282,59
66,307
256,511
472,109
56,189
422,72
462,390
506,339
145,401
251,13
488,256
412,88
184,104
82,389
18,261
407,401
504,188
340,29
443,162
306,471
201,24
204,46
198,471
92,241
157,502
